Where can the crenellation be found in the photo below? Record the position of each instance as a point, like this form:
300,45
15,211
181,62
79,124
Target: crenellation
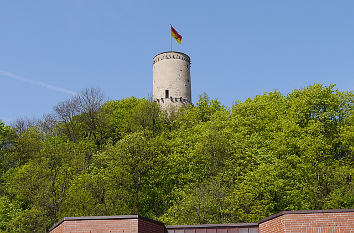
173,100
163,56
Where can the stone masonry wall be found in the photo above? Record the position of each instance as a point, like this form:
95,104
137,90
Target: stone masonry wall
172,79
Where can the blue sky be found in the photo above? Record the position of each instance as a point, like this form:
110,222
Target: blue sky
239,49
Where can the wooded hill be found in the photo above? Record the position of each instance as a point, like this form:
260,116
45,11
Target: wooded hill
203,164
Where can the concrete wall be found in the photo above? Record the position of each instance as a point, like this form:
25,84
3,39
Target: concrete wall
171,72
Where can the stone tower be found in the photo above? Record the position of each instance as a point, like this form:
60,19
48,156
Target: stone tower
172,79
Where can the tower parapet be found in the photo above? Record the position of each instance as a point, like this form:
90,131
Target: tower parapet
172,79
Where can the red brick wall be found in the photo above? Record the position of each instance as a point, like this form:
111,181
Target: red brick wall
342,222
273,225
58,229
315,221
109,225
150,227
98,226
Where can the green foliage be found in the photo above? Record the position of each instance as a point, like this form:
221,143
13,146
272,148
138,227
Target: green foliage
201,164
9,210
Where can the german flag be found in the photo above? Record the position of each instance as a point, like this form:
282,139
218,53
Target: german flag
175,35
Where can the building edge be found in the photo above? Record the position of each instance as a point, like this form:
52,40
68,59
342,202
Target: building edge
112,217
304,212
240,225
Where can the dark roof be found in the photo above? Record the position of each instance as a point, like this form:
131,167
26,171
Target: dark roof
261,221
213,225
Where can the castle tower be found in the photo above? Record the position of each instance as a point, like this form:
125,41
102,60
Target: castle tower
172,79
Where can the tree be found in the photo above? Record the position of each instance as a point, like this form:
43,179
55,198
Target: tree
202,164
66,111
130,162
91,101
20,125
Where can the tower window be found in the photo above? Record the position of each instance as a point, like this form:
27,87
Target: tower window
167,95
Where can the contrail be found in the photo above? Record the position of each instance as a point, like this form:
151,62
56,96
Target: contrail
39,83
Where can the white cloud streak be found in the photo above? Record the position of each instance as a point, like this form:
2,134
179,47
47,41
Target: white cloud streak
38,83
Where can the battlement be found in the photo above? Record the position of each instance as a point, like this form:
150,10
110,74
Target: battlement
173,100
171,55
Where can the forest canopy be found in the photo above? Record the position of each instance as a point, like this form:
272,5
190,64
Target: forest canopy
202,164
